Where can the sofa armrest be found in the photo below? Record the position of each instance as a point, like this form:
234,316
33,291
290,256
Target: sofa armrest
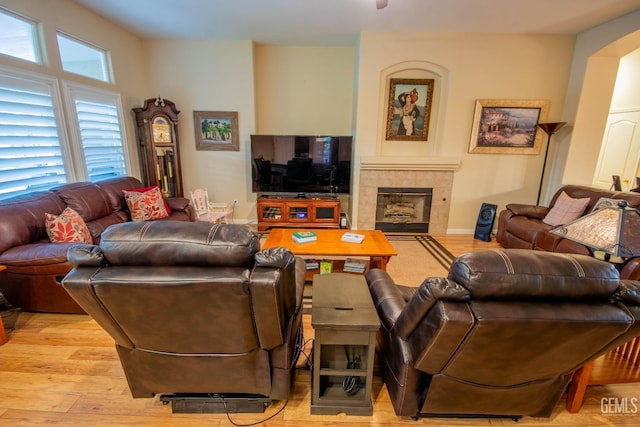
530,211
429,292
386,296
631,269
629,292
177,203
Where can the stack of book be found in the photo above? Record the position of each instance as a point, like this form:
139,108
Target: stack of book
312,264
304,236
354,265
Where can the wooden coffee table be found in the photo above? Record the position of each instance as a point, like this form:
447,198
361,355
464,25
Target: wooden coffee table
375,245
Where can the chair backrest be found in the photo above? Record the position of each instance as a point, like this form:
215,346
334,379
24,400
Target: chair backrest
517,323
200,200
193,307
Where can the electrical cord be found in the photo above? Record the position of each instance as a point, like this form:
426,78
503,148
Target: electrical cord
226,409
351,384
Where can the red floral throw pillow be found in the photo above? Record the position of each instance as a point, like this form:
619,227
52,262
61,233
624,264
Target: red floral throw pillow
67,227
145,206
142,190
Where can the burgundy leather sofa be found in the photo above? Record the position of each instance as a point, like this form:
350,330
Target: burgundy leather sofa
194,308
502,334
520,225
35,265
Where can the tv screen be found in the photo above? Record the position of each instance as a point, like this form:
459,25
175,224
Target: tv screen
301,164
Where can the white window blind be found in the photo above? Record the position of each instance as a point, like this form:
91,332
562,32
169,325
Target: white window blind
97,125
31,156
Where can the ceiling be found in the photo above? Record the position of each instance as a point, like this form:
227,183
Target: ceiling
338,22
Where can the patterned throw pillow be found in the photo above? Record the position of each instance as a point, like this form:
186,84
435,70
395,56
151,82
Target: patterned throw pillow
146,205
565,210
145,189
67,227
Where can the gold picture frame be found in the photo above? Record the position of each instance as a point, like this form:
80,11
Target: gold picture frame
216,130
505,126
409,109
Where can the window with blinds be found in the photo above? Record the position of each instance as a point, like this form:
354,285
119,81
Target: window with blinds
31,155
96,124
35,151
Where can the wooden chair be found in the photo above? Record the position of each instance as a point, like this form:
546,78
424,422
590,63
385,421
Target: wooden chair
620,365
209,211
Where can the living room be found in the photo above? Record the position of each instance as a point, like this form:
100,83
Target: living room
342,89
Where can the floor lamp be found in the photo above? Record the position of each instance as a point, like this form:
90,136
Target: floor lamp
550,129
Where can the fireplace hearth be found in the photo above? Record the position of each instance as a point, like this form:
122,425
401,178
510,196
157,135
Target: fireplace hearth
403,209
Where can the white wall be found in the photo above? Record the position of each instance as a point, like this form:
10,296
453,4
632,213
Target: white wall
626,93
304,90
593,74
492,66
206,75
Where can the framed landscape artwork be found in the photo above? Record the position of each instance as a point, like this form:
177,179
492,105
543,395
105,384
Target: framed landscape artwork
216,130
508,126
409,109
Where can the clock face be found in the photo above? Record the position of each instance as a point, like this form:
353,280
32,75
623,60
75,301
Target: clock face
161,130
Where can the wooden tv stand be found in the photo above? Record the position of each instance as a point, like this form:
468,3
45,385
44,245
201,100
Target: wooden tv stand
316,212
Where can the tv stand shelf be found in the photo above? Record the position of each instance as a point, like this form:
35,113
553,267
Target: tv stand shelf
298,212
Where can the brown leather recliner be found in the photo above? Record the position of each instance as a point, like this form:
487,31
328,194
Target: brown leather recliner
194,307
502,334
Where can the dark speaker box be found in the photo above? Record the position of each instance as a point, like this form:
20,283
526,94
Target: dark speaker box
484,226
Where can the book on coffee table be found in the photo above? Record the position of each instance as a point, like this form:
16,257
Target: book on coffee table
352,237
304,236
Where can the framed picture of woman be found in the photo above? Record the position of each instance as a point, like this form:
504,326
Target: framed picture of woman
409,109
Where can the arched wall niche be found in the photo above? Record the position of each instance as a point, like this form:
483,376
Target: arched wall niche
413,70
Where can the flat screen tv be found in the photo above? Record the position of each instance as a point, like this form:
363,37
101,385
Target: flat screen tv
301,164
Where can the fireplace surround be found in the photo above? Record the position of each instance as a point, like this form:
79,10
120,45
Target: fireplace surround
406,172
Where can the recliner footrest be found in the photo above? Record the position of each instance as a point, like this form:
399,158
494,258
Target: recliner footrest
202,403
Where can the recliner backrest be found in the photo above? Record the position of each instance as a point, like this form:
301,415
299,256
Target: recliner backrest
508,317
193,307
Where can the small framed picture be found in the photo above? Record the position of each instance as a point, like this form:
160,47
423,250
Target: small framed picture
508,126
216,130
409,109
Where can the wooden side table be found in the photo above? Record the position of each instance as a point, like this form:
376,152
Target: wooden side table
345,323
3,333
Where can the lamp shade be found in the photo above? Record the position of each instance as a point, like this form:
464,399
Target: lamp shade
551,128
613,230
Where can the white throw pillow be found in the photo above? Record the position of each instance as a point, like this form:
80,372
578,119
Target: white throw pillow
565,210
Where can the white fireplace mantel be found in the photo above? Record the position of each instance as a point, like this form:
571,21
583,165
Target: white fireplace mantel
409,163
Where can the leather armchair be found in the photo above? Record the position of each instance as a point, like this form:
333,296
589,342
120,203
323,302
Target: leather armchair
194,307
502,334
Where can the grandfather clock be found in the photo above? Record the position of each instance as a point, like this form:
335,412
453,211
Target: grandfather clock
157,129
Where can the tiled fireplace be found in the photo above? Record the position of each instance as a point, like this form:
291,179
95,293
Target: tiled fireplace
406,173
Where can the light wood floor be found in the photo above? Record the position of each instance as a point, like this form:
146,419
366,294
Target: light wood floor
63,370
